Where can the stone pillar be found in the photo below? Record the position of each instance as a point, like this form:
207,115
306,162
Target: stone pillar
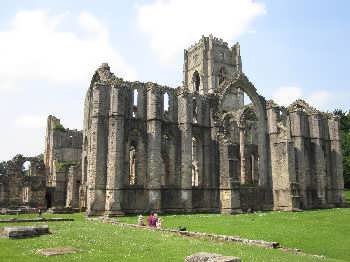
211,81
116,151
185,123
154,159
337,163
185,69
285,190
73,183
230,202
97,157
319,159
298,134
207,156
242,154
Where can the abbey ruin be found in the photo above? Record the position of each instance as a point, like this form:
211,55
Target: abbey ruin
211,145
199,148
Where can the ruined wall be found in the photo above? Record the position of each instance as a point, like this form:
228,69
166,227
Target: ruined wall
17,189
306,157
63,148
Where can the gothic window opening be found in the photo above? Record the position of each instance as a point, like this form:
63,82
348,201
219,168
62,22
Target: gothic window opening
221,75
195,163
26,168
166,105
135,99
196,81
194,108
26,194
132,165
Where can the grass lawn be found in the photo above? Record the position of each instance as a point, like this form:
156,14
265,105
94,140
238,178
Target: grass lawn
106,242
322,232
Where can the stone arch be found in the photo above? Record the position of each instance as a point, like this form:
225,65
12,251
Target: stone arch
241,82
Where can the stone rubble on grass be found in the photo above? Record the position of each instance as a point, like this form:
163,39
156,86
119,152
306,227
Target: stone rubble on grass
210,257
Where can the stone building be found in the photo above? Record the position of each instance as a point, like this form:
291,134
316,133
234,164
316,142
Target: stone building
201,147
19,189
63,149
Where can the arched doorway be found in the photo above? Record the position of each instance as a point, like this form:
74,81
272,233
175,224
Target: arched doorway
241,82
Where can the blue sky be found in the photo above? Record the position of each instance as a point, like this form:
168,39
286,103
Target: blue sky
50,49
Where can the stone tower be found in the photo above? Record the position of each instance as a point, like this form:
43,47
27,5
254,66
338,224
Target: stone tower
208,63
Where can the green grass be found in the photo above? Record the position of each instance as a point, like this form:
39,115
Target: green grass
323,232
106,242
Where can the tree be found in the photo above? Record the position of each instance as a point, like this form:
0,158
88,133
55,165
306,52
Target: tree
344,120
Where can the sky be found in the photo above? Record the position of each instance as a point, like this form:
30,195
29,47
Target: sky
49,51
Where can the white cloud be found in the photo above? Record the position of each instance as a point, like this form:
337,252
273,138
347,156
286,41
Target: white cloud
322,99
175,24
34,47
287,94
30,121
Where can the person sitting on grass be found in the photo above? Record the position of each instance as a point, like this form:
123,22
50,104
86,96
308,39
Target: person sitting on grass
155,220
150,219
140,221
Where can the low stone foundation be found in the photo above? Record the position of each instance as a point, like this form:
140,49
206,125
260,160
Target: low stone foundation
39,219
261,243
210,257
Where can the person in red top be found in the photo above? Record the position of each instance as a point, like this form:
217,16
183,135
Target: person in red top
150,219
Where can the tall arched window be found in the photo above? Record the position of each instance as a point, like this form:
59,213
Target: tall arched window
166,102
134,105
195,163
196,81
194,110
132,165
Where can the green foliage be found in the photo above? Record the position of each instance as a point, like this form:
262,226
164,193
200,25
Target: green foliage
344,119
64,165
59,127
347,195
108,242
319,232
3,168
40,156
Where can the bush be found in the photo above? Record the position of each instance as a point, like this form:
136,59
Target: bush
59,127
